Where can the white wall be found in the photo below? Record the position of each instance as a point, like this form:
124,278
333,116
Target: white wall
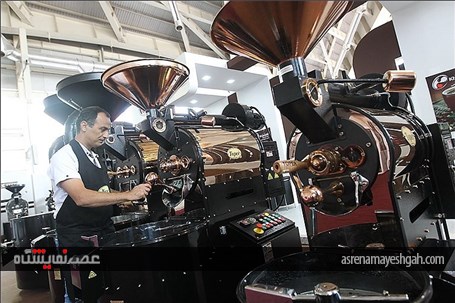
217,107
426,36
26,135
259,95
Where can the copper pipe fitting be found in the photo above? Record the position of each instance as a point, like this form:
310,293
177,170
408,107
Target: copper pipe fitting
125,172
175,164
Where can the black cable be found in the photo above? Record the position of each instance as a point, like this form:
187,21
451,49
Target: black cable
352,81
260,114
263,120
281,202
411,104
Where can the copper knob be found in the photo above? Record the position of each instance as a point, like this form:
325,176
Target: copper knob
152,178
313,195
318,162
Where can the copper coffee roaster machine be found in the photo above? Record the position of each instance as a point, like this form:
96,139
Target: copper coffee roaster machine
361,160
211,187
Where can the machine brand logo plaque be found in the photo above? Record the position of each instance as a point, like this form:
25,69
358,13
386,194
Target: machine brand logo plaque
234,153
408,135
440,82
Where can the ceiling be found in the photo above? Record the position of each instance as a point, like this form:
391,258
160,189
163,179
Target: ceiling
148,17
155,19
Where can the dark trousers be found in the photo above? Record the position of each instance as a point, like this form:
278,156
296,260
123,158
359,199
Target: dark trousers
77,281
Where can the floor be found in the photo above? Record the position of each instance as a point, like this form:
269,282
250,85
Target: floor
294,213
10,293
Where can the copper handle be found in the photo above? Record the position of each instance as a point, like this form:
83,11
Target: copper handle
399,81
324,162
319,162
313,195
154,180
208,121
289,166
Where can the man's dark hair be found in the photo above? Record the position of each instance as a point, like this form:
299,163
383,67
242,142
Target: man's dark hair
89,115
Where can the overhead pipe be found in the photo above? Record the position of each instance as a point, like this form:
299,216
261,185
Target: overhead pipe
82,66
175,15
10,52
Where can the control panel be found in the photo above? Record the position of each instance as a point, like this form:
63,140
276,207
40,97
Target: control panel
263,224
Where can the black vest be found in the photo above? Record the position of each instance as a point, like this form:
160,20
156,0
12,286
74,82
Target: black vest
74,221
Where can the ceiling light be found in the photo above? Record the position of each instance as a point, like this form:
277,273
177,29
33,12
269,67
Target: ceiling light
212,92
230,81
206,77
193,101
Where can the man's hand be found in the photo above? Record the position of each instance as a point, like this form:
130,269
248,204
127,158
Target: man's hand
90,198
139,192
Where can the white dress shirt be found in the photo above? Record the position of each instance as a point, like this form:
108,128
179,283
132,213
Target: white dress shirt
63,166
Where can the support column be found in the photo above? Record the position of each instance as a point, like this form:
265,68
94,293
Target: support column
24,86
23,75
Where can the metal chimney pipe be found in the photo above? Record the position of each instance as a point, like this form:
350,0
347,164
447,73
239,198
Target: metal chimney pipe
175,15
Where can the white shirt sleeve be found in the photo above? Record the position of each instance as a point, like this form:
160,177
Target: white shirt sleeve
63,166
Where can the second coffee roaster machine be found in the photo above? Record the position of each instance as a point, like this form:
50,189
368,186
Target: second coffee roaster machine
359,157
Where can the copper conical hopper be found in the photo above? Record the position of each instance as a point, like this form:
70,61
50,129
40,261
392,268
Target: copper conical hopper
145,83
272,32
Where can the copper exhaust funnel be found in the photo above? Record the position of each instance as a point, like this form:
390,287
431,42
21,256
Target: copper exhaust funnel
145,83
272,32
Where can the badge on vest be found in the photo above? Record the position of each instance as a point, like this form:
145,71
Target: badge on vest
104,189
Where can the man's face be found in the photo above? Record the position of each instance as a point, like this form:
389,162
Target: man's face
97,134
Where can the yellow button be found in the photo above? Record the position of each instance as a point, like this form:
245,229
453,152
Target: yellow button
266,214
258,231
